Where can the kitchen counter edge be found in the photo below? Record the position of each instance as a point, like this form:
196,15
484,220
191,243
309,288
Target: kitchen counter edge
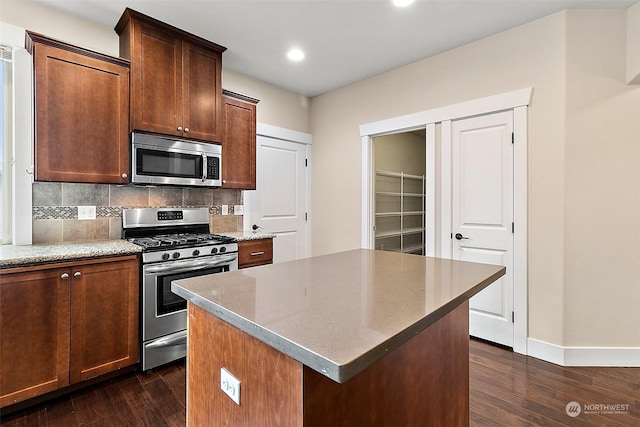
248,235
21,256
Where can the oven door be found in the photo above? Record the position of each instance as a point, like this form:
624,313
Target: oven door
164,314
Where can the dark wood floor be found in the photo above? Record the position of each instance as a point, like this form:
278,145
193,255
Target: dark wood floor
506,389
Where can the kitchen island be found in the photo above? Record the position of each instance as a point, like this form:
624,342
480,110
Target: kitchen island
360,337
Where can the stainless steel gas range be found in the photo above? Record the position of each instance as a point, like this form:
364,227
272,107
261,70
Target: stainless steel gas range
176,245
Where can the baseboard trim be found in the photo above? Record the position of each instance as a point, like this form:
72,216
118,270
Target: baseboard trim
584,356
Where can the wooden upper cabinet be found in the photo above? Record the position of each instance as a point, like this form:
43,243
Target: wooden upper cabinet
175,79
156,81
239,141
81,113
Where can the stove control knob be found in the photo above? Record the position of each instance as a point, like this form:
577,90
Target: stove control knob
195,252
165,257
176,255
214,250
223,249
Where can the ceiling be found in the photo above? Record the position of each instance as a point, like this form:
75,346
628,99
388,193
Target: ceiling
344,40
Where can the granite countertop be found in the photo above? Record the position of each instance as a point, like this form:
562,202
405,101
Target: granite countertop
248,235
341,312
16,256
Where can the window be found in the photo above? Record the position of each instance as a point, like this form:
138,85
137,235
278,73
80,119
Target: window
6,132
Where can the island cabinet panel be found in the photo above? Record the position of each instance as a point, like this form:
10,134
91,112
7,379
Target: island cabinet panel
81,113
239,141
34,334
104,318
61,324
423,382
252,253
176,79
271,382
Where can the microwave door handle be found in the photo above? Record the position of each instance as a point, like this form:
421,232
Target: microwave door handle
204,167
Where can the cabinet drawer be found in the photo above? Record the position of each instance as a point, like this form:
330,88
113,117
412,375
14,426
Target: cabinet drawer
255,252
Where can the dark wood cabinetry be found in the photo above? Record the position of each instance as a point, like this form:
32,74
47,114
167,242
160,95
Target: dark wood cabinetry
81,113
252,253
34,334
104,318
65,323
239,141
175,79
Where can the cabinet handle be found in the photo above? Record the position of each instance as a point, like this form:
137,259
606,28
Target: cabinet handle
179,128
64,276
257,253
124,176
186,130
77,274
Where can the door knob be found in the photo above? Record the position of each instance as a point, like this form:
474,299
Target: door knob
254,227
460,236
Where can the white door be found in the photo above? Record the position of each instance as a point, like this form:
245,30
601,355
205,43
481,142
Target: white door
482,211
278,204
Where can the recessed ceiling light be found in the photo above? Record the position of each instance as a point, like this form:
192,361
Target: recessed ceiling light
402,3
295,55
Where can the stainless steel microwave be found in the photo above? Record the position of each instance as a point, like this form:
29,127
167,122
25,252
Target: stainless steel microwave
158,160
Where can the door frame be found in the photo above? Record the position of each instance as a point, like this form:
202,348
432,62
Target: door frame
275,132
439,186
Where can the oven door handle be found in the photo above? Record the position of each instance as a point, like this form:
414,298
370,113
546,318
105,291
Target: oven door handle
175,339
178,267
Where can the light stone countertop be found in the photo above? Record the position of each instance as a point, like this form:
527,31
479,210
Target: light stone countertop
248,235
17,256
341,312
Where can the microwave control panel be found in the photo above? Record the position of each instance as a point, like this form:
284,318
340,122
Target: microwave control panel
213,168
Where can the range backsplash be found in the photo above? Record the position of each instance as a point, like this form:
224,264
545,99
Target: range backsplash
55,208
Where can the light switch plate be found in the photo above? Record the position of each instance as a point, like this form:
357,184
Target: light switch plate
238,209
230,385
86,212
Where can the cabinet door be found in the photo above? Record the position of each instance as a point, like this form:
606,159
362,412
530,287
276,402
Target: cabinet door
82,117
34,334
156,85
104,318
239,144
202,93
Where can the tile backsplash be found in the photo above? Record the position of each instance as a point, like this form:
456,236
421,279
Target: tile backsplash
55,208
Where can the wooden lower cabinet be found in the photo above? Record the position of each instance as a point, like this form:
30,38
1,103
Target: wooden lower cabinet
104,318
65,323
34,334
252,253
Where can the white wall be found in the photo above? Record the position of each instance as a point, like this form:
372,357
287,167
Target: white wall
602,186
633,44
579,87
